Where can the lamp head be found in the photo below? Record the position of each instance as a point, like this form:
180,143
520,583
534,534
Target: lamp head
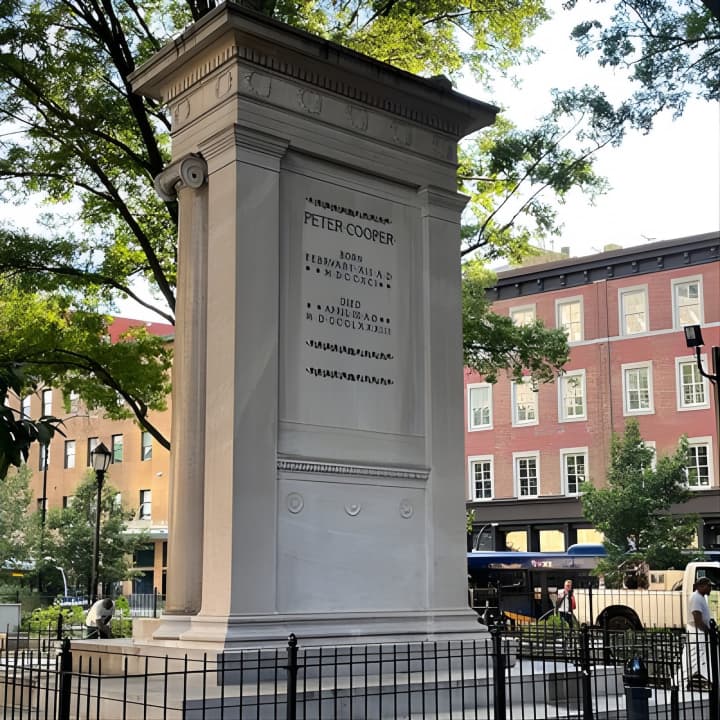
693,336
100,458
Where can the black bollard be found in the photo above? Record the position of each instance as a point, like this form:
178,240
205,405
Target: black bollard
637,693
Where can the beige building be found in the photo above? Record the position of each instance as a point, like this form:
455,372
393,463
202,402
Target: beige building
138,470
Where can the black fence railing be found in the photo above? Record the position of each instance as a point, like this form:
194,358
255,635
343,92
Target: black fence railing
534,673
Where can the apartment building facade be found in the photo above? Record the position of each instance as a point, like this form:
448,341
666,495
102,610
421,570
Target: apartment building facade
529,449
138,471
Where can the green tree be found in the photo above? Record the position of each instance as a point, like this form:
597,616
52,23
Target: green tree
17,433
493,342
670,51
15,524
70,533
77,137
635,509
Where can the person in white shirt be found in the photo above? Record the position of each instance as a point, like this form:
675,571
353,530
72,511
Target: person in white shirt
566,602
695,656
99,618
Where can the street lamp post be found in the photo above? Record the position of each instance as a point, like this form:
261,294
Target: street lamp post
478,537
100,458
694,339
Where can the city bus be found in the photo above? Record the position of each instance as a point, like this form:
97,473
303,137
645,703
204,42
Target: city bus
521,586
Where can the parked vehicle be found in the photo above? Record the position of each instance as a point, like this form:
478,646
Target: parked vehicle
521,586
625,609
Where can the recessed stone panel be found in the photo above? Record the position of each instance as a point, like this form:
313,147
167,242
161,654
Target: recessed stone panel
350,351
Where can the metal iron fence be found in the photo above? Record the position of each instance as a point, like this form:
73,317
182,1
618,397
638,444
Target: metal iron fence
534,673
146,605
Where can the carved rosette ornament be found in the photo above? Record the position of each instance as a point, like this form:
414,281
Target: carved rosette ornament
310,101
406,509
353,509
295,502
190,171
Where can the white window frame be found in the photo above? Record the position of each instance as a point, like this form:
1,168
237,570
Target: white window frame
526,455
479,386
70,459
558,323
145,435
652,444
562,407
513,402
117,448
624,369
706,441
92,443
564,453
680,395
472,460
622,293
26,406
145,509
523,309
674,285
74,401
47,402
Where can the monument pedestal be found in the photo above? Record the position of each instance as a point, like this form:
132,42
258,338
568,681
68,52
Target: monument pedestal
322,491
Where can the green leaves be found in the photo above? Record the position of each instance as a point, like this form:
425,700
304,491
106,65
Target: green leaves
669,50
70,532
635,509
492,343
17,433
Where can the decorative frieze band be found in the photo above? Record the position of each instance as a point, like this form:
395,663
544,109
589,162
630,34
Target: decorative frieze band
311,101
357,471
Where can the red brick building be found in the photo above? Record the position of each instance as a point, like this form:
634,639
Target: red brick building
624,312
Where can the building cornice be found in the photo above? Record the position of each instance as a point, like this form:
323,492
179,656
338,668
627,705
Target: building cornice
627,262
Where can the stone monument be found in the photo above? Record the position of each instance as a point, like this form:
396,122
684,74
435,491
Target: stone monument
317,472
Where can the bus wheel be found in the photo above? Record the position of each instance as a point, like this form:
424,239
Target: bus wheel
619,621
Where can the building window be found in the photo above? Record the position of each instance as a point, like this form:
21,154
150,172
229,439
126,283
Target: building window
47,403
637,389
479,407
692,390
25,407
687,302
117,448
481,477
145,446
42,504
117,501
574,469
74,401
67,501
527,474
69,454
699,470
44,457
524,403
92,443
145,511
651,445
523,315
633,311
572,396
570,318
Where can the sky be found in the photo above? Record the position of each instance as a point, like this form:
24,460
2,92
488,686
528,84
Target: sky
664,185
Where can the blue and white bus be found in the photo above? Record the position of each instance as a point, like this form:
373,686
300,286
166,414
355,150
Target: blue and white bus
522,585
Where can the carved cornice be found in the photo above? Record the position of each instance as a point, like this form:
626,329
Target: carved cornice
316,467
422,114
